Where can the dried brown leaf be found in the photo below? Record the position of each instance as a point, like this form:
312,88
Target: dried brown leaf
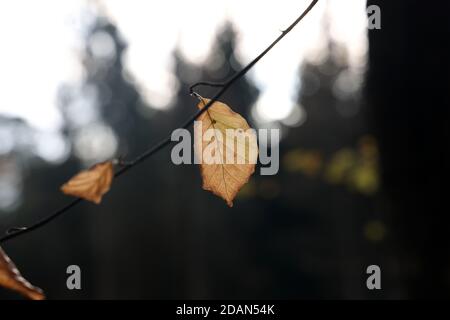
11,278
223,178
91,184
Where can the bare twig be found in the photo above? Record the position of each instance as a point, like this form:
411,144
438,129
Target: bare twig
15,232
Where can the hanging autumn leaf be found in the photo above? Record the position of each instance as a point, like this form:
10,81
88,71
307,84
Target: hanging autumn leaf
226,148
11,278
91,184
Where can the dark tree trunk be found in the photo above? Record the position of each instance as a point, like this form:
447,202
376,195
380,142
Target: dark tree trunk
408,88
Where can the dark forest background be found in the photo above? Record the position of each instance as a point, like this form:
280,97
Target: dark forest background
356,187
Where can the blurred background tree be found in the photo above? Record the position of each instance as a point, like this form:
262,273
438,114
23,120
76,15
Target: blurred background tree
408,91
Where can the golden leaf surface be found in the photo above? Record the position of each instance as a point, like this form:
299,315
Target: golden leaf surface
91,184
11,278
234,158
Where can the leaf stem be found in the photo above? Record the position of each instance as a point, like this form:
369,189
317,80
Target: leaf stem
208,84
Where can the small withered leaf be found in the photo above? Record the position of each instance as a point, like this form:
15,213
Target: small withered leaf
11,279
235,159
91,184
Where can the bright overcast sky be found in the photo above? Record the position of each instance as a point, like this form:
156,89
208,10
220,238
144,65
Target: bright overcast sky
41,43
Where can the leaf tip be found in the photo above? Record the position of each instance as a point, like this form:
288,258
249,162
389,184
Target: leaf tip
37,295
11,278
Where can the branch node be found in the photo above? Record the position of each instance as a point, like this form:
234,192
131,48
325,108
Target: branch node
121,162
196,95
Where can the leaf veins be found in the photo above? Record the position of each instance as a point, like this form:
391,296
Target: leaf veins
223,178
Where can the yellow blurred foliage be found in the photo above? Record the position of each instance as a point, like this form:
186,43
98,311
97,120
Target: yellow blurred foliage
340,166
375,231
364,178
357,168
307,162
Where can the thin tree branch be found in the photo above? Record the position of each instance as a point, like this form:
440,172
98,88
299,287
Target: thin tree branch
15,232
